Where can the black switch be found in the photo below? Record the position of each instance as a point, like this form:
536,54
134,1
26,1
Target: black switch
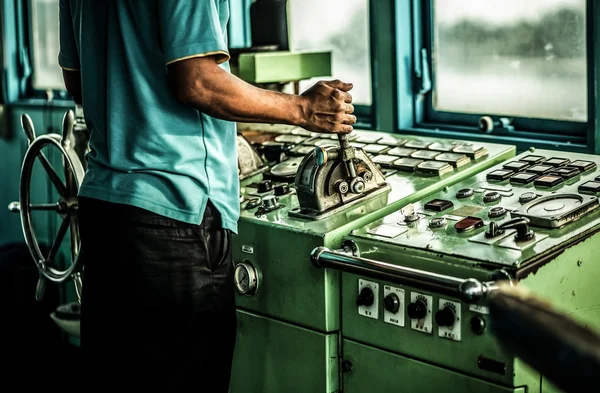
540,169
591,187
583,166
548,181
523,178
499,175
533,159
365,298
566,172
438,205
417,310
516,166
557,161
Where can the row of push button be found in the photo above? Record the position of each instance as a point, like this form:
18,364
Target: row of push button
541,172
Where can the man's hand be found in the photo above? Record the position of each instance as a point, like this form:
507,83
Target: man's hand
328,108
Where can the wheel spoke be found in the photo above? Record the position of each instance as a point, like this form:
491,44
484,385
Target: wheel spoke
60,187
70,179
45,207
74,228
62,231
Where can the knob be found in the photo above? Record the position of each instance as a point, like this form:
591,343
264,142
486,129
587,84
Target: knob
14,207
417,310
269,202
445,317
391,303
320,156
357,185
521,224
28,128
365,298
282,189
477,324
265,186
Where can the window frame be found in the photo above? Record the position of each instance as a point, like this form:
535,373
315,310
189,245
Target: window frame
26,57
416,18
368,116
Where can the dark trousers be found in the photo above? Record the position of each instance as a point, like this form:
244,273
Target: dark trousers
158,311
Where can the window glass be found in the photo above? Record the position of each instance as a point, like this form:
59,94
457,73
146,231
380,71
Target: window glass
521,58
45,30
341,26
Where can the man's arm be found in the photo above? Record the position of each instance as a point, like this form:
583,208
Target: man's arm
194,44
200,83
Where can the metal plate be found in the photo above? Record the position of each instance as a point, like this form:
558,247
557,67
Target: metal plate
406,164
384,160
325,142
294,139
368,139
457,160
375,149
391,141
401,152
425,154
434,167
475,152
443,147
509,242
467,210
388,231
302,150
480,238
555,211
417,144
287,168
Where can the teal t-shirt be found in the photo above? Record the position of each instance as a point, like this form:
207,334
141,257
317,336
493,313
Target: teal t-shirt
147,148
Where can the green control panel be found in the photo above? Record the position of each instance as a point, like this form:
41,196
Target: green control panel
277,288
534,219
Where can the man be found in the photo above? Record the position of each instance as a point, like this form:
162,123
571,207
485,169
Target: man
160,198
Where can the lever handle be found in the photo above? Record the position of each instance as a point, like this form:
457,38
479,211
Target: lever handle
28,128
521,224
67,128
14,207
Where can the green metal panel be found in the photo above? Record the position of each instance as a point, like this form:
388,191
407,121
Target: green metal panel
274,67
272,356
560,266
279,245
375,371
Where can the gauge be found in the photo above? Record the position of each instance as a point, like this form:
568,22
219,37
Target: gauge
246,278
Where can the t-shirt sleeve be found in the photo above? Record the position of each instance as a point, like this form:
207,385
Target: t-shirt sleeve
192,28
68,57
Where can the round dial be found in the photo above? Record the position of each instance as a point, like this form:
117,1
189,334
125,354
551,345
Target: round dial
245,278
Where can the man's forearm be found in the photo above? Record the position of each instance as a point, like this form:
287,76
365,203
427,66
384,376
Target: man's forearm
227,97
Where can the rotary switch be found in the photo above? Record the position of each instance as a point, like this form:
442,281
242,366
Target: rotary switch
391,303
445,317
269,203
417,310
365,298
491,197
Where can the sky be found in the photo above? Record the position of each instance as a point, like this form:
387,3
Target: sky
499,11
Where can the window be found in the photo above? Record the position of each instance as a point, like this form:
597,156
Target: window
523,60
341,26
47,75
